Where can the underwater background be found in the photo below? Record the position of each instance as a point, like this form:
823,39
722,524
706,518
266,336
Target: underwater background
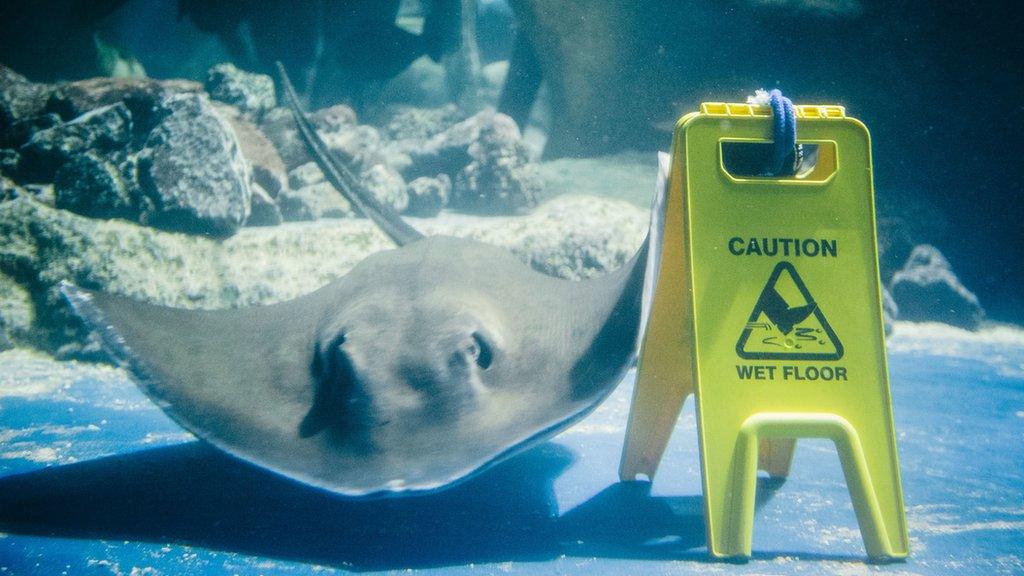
937,83
145,150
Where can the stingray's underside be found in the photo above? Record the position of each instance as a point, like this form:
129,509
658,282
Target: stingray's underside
417,369
340,388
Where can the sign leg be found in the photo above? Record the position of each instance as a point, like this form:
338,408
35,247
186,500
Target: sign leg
655,410
775,456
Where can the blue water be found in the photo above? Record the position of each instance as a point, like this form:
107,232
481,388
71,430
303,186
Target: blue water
115,487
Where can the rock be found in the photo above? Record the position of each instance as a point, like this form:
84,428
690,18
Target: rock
358,145
573,237
312,197
926,289
93,185
890,311
386,185
20,101
251,93
313,202
102,130
144,96
263,209
500,179
23,131
427,196
16,312
488,161
417,124
267,166
334,118
9,160
9,190
448,151
40,246
42,193
192,173
279,127
305,175
394,155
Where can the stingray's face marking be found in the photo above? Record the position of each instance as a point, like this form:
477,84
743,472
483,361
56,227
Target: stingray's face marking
383,369
451,370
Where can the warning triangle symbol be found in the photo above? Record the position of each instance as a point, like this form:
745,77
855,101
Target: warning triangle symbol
787,324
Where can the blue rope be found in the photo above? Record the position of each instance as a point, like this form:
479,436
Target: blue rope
783,131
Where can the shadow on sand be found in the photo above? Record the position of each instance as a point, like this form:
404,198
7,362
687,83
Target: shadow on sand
194,495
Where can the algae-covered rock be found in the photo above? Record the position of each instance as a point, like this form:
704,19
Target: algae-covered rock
97,186
9,190
359,145
927,289
311,197
279,127
500,178
305,175
313,202
427,196
192,171
268,168
487,160
9,160
447,152
386,185
182,168
417,124
334,118
263,208
17,315
20,102
572,237
142,95
101,130
251,93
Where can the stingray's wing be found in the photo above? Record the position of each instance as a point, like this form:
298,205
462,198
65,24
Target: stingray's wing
229,376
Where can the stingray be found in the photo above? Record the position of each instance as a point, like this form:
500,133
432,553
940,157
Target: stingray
419,368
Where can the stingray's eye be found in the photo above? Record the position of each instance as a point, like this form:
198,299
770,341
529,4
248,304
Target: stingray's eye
481,351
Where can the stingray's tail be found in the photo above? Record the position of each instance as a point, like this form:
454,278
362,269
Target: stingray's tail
341,177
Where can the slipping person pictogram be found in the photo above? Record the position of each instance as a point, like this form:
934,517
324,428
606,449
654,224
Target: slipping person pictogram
787,324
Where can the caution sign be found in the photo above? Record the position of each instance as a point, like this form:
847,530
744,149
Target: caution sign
768,308
787,324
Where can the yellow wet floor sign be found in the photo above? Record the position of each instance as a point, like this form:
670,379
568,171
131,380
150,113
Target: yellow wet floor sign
768,308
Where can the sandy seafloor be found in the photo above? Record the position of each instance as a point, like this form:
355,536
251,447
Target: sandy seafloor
94,479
